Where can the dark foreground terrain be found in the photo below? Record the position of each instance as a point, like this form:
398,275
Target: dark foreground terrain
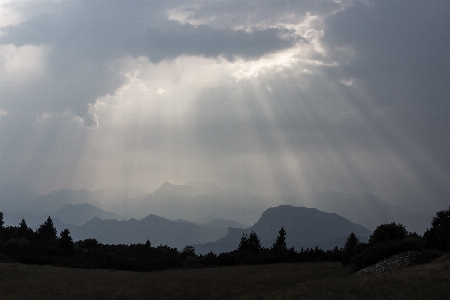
322,280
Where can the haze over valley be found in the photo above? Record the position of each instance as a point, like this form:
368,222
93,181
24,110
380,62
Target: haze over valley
204,215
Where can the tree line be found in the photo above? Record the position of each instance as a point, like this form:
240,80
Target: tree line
45,246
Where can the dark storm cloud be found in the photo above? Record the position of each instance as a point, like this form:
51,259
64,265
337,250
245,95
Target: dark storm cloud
362,105
174,39
86,37
403,61
396,43
402,57
240,13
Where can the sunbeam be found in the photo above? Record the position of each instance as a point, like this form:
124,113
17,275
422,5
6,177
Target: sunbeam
287,100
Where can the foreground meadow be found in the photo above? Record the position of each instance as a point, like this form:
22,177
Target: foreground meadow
324,280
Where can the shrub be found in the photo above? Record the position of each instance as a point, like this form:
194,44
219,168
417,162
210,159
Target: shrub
438,236
388,232
379,251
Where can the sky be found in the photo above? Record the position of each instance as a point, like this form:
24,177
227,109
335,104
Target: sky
276,97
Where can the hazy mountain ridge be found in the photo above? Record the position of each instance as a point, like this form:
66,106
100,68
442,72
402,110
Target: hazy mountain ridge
365,209
169,189
222,223
169,200
157,229
55,200
69,214
192,203
78,214
305,227
202,202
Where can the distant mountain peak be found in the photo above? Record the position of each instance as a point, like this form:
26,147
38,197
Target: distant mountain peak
206,188
305,227
78,214
169,189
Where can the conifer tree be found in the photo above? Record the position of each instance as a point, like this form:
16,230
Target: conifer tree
1,225
47,232
24,230
65,241
280,242
254,244
349,249
351,243
243,245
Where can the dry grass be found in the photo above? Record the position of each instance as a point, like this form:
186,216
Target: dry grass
278,281
19,281
431,281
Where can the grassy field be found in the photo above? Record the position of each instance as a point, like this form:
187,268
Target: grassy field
278,281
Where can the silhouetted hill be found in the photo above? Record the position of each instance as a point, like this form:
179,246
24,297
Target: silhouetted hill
365,209
74,214
78,214
305,227
55,200
208,202
14,218
168,189
157,229
222,223
186,202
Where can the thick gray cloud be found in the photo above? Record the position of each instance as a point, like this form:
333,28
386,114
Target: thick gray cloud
402,60
85,38
174,39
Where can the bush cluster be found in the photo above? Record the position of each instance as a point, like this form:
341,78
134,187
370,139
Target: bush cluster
391,239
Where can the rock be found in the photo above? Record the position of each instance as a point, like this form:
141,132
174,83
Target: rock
391,263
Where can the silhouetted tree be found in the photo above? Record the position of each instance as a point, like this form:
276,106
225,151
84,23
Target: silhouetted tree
65,241
280,242
148,244
254,244
438,236
243,244
387,233
47,232
351,242
1,225
250,243
24,230
188,257
88,243
188,251
349,248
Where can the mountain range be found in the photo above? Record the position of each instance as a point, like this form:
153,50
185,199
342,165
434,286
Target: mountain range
305,227
364,209
195,201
